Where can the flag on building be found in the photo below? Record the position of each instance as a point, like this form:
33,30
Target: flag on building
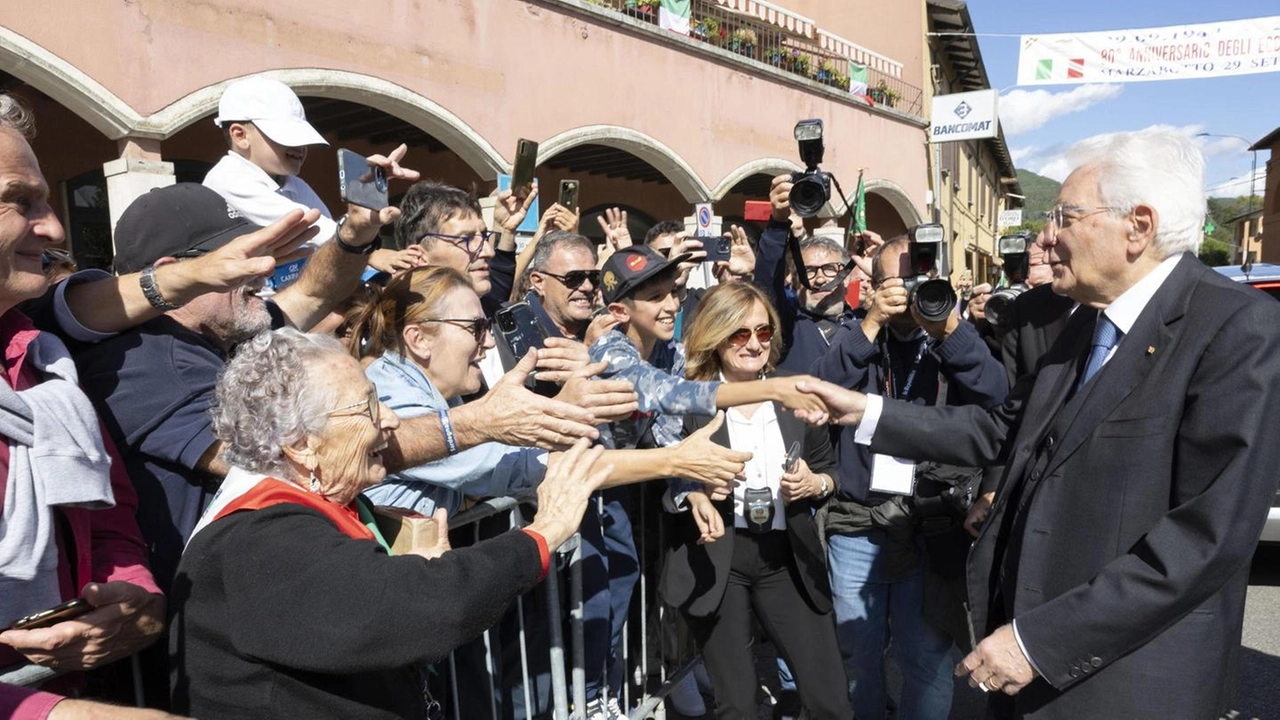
673,15
860,207
857,78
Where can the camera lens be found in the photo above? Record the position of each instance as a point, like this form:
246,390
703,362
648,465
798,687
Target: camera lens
722,246
507,322
379,179
808,194
997,307
934,300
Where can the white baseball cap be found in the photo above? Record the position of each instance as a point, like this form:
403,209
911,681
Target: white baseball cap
272,107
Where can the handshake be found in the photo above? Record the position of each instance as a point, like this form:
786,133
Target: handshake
818,402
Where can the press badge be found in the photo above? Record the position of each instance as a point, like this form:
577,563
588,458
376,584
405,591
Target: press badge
892,475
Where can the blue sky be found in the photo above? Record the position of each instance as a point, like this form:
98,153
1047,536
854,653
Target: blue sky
1039,125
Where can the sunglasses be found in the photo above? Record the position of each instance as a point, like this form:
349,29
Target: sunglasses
575,278
476,326
742,336
368,405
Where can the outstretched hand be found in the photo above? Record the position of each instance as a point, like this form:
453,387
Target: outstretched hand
364,222
843,407
699,459
511,414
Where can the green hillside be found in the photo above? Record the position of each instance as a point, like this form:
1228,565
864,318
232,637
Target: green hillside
1041,193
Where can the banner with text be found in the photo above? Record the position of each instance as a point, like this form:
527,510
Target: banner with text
1180,52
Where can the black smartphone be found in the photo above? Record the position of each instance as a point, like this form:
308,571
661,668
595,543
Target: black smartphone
54,615
718,248
569,195
360,183
518,330
522,169
793,456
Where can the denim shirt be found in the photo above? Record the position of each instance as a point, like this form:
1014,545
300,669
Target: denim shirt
665,397
487,470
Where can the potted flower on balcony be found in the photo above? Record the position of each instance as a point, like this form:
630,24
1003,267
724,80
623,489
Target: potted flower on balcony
777,56
641,8
706,29
884,94
825,69
743,41
801,63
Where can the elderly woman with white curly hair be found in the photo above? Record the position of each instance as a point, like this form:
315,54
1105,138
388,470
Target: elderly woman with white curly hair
284,591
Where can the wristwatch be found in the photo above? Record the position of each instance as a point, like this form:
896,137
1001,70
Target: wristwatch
348,247
825,487
152,292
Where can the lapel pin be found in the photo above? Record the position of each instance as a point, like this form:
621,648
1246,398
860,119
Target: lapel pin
1151,349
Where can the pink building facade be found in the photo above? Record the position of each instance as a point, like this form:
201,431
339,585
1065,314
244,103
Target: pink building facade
125,93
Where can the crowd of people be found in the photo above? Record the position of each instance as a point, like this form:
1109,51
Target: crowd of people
235,494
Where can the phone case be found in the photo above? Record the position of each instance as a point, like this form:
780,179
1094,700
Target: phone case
360,183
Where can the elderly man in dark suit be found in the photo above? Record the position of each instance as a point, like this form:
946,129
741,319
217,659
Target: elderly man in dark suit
1110,578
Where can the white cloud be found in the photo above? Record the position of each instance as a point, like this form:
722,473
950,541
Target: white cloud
1238,186
1022,111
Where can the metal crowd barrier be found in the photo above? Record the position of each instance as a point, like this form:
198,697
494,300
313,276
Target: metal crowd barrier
646,680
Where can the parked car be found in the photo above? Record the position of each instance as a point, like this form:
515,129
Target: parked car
1265,277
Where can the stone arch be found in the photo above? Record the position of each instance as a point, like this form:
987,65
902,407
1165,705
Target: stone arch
763,166
643,146
898,198
66,84
393,99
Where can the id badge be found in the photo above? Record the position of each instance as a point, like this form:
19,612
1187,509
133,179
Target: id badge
893,475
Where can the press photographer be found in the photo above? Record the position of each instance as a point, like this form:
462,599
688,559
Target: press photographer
874,538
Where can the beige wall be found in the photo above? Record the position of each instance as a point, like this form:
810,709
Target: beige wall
1270,251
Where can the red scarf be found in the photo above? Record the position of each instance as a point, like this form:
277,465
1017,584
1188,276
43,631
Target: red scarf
270,491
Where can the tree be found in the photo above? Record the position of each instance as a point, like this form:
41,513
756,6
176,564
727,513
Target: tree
1215,252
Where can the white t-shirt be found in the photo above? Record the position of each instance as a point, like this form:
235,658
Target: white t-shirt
760,436
251,191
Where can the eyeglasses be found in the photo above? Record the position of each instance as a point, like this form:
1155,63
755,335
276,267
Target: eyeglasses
574,278
827,270
476,326
53,255
1059,218
742,336
368,405
465,242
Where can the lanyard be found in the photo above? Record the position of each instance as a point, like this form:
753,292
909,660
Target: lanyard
887,368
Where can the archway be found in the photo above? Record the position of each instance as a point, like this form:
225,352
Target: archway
632,142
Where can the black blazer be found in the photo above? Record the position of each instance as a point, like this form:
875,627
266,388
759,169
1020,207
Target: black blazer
1036,319
695,576
1121,537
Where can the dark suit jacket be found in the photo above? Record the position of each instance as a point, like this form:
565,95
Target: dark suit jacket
695,575
1121,537
1036,319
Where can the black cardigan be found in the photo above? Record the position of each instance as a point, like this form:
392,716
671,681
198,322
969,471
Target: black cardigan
278,614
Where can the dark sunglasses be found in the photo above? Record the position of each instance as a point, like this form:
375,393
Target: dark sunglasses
476,326
574,278
742,336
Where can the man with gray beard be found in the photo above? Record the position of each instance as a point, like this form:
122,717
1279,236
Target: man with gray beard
153,385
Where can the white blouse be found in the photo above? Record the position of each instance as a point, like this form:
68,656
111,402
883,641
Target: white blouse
760,436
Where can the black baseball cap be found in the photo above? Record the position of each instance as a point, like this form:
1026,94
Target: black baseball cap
178,220
628,268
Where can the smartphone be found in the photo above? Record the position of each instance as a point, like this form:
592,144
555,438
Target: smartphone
718,248
518,330
54,615
793,456
522,170
360,183
757,211
569,195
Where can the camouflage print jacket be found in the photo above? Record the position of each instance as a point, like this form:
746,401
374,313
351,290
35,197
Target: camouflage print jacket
665,396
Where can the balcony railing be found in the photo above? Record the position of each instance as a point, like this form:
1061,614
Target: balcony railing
788,42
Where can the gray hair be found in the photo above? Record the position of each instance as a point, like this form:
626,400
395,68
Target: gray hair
820,243
265,400
1159,167
15,117
553,241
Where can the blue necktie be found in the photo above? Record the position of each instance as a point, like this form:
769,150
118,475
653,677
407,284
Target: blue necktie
1105,337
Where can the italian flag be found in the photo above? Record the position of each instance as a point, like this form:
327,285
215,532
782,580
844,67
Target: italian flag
1074,68
857,78
673,15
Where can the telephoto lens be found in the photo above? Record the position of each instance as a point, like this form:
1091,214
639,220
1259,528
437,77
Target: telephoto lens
934,299
997,308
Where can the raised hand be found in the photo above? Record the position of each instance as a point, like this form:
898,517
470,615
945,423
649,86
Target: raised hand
509,209
614,225
565,490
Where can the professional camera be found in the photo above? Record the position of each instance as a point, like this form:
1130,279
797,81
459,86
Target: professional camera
932,297
1013,251
811,189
